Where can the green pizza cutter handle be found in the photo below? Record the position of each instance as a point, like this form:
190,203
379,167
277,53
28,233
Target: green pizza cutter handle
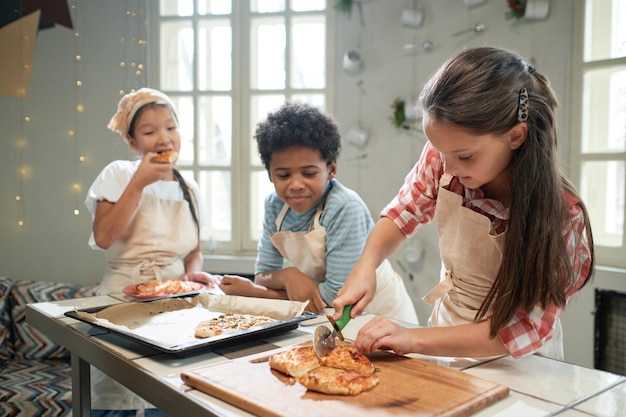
339,324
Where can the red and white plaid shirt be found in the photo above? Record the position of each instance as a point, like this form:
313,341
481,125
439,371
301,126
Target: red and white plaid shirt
415,205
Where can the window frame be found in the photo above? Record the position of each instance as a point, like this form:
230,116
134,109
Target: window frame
243,244
605,255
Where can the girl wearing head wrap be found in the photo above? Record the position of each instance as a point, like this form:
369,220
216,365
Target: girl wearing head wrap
146,218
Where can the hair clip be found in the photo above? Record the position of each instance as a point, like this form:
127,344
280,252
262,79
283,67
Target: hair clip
522,105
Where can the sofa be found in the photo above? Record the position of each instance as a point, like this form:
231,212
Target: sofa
35,371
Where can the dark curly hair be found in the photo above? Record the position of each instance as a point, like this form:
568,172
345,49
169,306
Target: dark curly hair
296,124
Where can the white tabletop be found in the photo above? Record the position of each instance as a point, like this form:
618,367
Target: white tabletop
538,386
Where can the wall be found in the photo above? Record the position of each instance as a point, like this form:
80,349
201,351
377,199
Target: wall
52,244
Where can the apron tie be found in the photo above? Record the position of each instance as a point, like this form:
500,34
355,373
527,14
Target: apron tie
442,288
150,267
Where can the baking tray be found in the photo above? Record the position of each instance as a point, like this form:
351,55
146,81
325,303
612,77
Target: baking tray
172,335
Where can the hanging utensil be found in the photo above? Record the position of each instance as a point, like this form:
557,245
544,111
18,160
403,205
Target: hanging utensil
478,27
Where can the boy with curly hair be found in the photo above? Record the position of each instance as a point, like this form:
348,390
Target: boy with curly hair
314,228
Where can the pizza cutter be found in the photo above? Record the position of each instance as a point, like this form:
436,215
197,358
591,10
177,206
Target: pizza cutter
324,338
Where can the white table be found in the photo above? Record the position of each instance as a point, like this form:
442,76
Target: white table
538,386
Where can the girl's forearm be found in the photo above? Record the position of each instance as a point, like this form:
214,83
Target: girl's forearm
383,241
465,340
111,219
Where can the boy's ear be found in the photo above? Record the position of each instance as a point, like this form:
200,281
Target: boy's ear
517,135
332,170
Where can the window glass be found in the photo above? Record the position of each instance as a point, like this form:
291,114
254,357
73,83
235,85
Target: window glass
267,69
604,111
214,7
308,49
605,31
176,7
214,58
215,130
226,65
307,5
317,100
261,187
177,52
216,188
602,190
185,113
267,6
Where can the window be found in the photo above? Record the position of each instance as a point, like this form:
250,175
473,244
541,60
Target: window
601,152
226,64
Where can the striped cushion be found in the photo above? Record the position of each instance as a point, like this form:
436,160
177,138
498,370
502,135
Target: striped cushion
28,342
36,387
5,321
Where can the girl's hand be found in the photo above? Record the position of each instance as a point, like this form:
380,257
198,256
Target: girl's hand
211,281
358,291
149,171
381,333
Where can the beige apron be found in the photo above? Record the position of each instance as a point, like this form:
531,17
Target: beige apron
471,258
306,251
149,248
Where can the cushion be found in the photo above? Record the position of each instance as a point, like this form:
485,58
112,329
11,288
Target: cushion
28,342
5,320
36,387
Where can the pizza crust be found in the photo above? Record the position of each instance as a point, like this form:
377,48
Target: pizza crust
295,362
167,157
335,381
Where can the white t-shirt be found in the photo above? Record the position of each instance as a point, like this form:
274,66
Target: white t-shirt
114,178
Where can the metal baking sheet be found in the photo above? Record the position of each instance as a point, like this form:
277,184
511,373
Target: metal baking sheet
168,324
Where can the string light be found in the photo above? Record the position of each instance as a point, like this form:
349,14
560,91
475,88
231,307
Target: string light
76,187
23,171
133,43
133,48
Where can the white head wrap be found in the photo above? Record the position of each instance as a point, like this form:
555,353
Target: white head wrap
130,104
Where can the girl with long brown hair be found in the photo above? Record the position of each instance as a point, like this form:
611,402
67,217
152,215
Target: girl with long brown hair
514,235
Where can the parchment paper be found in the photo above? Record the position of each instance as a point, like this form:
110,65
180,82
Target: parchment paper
172,321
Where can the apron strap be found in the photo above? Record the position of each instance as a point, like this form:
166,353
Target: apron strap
441,289
281,216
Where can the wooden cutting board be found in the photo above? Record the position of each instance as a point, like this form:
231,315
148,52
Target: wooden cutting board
407,387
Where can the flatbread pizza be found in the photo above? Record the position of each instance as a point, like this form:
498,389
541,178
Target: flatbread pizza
229,322
344,371
161,288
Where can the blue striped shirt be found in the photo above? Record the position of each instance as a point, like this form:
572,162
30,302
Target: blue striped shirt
347,220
